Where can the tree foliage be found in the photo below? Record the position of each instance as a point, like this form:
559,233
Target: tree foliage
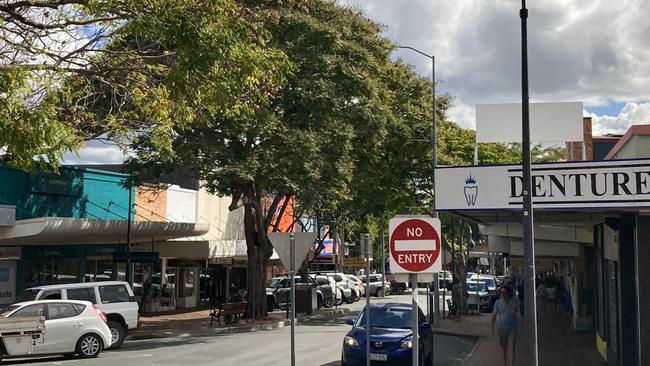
125,70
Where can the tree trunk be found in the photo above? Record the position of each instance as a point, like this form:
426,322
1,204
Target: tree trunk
259,250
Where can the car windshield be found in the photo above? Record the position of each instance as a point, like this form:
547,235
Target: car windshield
489,282
472,286
273,282
5,311
386,318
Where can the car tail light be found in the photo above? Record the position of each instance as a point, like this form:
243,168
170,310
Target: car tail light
100,314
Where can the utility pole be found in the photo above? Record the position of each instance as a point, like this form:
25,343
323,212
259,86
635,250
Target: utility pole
530,308
129,269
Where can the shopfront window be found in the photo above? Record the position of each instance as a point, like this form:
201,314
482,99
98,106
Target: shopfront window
102,269
52,272
65,271
187,283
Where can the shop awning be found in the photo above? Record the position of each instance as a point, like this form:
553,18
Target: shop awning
65,230
197,249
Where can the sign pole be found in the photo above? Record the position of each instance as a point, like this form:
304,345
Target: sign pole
366,241
530,311
292,272
383,266
414,319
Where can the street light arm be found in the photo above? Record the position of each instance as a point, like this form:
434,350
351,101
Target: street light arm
416,50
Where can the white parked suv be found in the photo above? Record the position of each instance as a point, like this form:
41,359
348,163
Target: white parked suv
69,327
114,298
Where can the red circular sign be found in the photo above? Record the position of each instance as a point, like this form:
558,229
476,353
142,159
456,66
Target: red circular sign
415,245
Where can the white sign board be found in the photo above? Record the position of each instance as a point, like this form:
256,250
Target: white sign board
414,244
549,122
598,185
304,243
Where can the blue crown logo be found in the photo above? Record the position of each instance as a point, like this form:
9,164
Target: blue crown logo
470,179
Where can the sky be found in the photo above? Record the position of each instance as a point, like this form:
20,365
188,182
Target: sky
596,52
592,51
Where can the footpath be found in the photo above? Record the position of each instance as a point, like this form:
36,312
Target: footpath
558,344
196,323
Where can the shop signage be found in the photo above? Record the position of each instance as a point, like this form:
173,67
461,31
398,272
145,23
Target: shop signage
354,262
9,253
602,184
221,261
137,257
187,263
414,245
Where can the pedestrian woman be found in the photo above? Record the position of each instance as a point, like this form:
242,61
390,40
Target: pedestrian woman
505,317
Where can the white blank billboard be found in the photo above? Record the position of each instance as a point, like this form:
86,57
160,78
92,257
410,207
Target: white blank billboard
549,122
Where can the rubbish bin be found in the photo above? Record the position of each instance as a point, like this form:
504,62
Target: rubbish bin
306,298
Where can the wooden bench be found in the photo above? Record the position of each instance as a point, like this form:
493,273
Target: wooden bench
234,309
453,309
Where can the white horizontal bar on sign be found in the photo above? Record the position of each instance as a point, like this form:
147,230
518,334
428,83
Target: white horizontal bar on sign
406,245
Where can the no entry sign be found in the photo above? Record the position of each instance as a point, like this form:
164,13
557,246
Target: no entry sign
414,245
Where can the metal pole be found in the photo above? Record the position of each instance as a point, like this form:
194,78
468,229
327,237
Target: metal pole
254,274
292,272
128,273
436,299
366,240
383,265
434,141
414,319
530,311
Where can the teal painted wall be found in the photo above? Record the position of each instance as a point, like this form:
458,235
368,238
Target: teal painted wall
80,193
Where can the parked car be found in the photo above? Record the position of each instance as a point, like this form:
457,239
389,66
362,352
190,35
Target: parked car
278,292
358,284
396,287
328,288
342,284
492,288
374,285
478,297
71,327
114,298
391,337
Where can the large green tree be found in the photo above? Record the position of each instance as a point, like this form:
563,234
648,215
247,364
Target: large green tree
74,70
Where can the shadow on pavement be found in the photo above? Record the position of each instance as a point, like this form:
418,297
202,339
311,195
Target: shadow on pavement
333,363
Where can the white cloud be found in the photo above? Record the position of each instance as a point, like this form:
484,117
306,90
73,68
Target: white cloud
579,50
631,114
96,152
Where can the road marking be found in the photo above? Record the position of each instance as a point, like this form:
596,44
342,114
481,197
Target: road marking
141,355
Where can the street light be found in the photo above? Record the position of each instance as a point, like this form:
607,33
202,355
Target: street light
434,163
434,141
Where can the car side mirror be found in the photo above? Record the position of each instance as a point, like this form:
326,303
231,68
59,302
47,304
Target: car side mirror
349,322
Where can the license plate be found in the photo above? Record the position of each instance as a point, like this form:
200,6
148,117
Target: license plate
378,357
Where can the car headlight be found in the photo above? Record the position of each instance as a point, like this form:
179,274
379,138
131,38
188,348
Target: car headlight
351,341
407,343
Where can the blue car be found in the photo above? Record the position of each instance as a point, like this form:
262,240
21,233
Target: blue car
390,337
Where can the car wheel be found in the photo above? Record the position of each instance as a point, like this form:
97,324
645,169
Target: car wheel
377,294
319,303
329,303
118,334
89,346
270,306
